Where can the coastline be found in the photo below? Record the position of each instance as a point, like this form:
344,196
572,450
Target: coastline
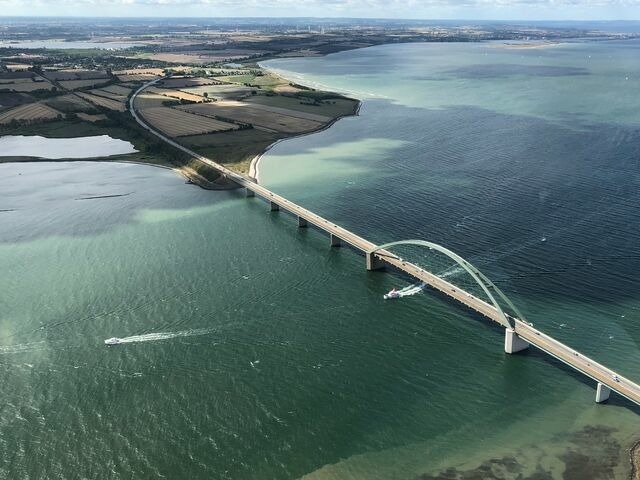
254,167
634,457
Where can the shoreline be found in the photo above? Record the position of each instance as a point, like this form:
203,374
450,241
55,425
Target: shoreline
254,167
634,458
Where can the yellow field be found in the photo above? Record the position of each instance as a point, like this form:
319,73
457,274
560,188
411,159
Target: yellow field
149,100
32,111
103,102
73,84
259,117
176,94
176,123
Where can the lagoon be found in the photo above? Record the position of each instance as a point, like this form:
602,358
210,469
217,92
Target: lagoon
56,148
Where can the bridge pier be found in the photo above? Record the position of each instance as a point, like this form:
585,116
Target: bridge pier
602,393
373,262
274,206
513,343
302,223
249,193
335,241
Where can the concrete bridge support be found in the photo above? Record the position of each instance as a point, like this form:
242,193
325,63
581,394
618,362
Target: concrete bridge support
513,343
249,193
335,241
373,262
274,206
302,223
602,393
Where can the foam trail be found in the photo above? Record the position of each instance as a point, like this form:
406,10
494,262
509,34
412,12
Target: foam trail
21,348
411,290
153,337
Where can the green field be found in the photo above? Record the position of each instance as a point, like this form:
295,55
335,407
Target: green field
235,150
335,107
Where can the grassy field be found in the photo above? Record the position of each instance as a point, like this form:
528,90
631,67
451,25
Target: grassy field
70,104
221,91
335,107
235,150
75,84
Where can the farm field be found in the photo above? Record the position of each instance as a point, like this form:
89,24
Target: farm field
32,111
14,80
198,58
103,102
177,123
92,117
177,94
26,86
221,91
118,90
234,149
102,92
314,116
70,103
60,75
258,117
185,82
329,108
13,99
146,100
251,79
155,72
75,84
143,77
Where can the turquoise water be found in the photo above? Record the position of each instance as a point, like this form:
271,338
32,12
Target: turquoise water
253,350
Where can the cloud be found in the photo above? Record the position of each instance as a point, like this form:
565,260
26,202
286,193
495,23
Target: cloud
495,9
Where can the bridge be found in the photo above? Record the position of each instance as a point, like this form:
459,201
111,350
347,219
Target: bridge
519,333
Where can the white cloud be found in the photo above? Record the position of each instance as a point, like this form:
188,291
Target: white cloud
544,9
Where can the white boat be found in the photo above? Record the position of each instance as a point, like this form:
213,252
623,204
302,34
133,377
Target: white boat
392,294
112,341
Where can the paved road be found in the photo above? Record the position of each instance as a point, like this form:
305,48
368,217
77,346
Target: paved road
562,352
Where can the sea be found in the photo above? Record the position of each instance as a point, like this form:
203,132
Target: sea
251,349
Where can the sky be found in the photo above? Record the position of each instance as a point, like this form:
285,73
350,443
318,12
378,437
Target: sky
408,9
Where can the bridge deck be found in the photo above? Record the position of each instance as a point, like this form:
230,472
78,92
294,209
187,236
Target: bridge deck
564,353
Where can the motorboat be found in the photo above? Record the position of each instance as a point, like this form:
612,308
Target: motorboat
392,294
113,341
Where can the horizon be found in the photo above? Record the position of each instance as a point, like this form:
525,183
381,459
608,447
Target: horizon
430,10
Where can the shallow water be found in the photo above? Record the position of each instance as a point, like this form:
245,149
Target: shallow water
56,148
260,352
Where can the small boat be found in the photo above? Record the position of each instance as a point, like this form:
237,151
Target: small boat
112,341
392,294
543,239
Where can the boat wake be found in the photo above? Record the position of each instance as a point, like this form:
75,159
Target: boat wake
21,348
154,337
406,291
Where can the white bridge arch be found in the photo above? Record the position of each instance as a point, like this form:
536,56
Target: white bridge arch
487,285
